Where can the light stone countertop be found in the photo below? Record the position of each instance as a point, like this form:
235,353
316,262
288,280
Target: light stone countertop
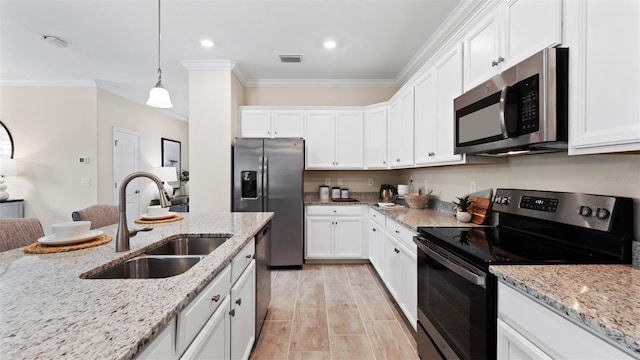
48,311
602,298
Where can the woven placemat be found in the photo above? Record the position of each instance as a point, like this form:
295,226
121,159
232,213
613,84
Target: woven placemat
168,220
38,248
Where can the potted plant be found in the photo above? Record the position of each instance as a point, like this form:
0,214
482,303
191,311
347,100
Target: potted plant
463,204
184,177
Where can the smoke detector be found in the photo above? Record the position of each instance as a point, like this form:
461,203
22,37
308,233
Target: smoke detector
290,58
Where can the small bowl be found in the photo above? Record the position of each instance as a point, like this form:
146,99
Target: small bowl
157,210
70,229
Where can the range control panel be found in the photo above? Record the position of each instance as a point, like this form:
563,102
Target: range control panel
584,210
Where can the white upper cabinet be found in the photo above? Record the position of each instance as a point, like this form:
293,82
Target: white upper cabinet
400,129
508,34
435,90
287,123
271,123
335,140
255,123
375,138
604,53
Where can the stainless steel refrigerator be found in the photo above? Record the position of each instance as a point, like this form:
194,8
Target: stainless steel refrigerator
268,176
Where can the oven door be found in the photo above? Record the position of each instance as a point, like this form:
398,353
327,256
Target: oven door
454,307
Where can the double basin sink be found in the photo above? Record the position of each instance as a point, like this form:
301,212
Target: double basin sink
169,259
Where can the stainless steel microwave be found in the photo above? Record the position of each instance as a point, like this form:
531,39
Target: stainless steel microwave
522,110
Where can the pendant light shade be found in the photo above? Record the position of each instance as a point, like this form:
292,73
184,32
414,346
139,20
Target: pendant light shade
158,95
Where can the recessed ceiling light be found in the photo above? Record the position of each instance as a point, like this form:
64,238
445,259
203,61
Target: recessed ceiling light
329,44
206,43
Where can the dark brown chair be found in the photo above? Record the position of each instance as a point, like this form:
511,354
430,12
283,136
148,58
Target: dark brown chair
100,215
15,233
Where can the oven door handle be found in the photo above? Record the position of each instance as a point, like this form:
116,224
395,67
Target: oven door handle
456,268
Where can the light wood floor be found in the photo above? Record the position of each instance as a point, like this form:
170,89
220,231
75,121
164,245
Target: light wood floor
332,312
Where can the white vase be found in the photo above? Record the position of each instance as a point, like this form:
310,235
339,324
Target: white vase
463,216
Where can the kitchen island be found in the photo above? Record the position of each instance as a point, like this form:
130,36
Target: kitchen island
600,298
47,310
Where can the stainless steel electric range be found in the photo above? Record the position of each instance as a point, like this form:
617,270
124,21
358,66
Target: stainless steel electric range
457,296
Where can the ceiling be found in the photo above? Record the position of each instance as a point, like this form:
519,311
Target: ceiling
115,42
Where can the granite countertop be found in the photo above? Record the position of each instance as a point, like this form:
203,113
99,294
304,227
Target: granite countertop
602,298
48,311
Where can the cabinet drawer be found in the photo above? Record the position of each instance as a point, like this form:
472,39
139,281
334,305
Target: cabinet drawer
402,234
196,314
242,260
377,217
343,210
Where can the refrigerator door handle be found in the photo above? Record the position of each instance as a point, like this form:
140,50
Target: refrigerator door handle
265,176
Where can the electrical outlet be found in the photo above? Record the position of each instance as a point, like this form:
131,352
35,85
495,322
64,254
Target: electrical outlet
472,186
327,181
339,182
85,181
370,181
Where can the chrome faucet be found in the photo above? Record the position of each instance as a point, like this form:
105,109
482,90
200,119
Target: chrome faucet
123,234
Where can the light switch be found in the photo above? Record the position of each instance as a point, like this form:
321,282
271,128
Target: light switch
85,181
83,160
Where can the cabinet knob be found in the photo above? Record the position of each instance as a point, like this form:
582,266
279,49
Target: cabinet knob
215,298
374,229
275,132
397,160
500,59
250,256
239,301
397,231
384,162
232,312
494,63
396,250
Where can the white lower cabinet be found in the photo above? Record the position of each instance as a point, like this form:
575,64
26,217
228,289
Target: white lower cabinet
162,347
243,313
377,241
334,232
213,341
530,330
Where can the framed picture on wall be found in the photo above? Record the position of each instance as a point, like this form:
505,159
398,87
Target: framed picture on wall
171,155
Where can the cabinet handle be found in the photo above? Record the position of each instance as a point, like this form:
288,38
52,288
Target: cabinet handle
275,132
397,160
239,301
374,229
397,231
494,63
248,256
500,59
396,250
215,298
232,312
384,162
269,132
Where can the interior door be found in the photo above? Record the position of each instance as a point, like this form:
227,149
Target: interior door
126,160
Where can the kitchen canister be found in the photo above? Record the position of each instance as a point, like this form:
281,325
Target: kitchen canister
344,193
335,192
323,192
402,189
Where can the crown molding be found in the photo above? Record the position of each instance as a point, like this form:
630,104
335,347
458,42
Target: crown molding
201,65
48,82
321,83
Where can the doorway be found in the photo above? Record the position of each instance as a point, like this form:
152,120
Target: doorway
126,160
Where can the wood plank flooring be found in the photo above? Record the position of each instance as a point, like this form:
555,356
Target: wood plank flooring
332,312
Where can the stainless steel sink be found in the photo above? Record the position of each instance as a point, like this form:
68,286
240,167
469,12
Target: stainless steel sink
190,245
149,267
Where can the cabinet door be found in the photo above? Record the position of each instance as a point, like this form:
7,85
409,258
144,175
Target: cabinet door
529,27
320,140
163,347
393,272
512,345
213,341
603,75
409,292
426,127
243,313
395,134
255,123
319,237
482,50
288,123
348,237
375,138
376,247
449,86
349,139
407,130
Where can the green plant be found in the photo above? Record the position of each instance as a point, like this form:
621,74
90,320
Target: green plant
386,187
184,176
463,203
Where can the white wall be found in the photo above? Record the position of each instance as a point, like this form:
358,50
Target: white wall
152,125
51,127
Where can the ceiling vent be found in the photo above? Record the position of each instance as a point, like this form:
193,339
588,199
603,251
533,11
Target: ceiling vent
290,58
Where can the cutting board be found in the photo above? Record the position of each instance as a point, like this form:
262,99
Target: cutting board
479,209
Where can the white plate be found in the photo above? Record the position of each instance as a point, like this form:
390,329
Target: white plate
51,239
158,217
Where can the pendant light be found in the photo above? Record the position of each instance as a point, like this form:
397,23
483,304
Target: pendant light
159,96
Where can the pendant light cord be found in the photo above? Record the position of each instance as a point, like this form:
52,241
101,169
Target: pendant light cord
159,41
